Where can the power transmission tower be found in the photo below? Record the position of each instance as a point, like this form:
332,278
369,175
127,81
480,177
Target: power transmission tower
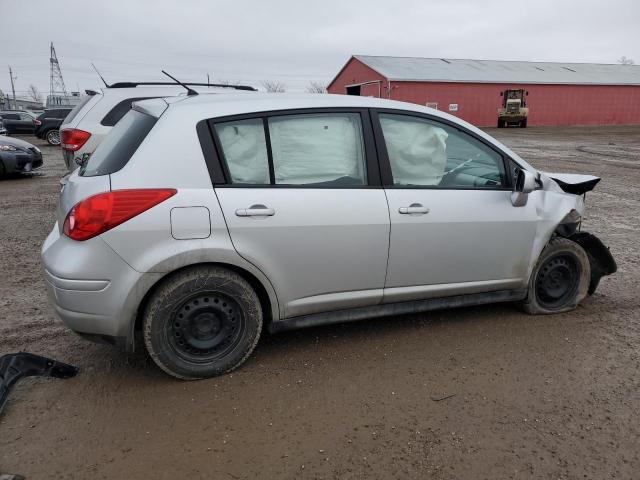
57,91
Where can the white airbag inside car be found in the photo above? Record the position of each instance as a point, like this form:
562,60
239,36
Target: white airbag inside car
409,143
317,148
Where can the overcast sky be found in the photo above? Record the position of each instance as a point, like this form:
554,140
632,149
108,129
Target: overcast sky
296,41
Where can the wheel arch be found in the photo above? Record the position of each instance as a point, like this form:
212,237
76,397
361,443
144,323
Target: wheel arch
266,295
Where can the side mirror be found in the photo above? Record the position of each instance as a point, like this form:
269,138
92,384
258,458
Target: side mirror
525,184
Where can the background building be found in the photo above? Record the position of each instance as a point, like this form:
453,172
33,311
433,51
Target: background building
558,93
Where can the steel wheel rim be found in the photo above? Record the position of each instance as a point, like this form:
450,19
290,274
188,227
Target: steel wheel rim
54,137
206,327
557,281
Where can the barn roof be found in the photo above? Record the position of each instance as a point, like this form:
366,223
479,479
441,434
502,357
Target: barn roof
498,71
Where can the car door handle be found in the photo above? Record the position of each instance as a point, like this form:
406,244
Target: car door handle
413,208
256,211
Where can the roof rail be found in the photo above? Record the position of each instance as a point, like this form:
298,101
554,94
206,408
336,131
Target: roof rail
135,84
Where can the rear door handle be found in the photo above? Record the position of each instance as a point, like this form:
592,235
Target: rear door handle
413,208
256,211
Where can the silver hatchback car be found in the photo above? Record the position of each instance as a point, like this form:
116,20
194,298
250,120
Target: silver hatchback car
201,220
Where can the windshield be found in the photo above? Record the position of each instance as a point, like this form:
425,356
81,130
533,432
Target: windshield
119,145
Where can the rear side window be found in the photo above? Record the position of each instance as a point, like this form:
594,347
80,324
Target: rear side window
72,114
119,111
323,148
56,113
119,146
10,116
315,149
245,150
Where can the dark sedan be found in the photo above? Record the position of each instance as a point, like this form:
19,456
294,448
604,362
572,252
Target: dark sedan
16,121
18,156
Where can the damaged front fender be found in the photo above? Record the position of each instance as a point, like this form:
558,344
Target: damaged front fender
16,366
600,258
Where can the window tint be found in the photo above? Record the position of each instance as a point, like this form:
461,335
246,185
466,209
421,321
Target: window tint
119,146
10,116
245,150
322,148
426,153
119,110
55,113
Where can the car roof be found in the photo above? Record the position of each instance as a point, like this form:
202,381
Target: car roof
254,102
200,107
161,90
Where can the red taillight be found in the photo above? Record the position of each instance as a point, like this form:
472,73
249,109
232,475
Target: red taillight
102,212
73,139
37,122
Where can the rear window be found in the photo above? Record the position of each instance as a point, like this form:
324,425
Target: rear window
119,145
72,114
119,111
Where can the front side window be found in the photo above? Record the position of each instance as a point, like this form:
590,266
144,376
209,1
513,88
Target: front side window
318,149
244,146
426,153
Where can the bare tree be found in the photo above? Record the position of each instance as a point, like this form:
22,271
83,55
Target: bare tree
316,87
34,93
274,86
625,61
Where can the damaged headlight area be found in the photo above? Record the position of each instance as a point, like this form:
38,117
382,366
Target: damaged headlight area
570,224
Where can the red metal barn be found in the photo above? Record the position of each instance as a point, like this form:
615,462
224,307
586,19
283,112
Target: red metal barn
559,93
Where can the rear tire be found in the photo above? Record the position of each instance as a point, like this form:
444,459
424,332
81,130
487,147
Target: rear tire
3,171
53,137
500,124
202,322
560,279
523,123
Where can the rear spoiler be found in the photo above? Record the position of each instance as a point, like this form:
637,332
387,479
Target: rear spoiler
151,106
574,183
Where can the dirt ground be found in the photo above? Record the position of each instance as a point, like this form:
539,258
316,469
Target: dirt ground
475,393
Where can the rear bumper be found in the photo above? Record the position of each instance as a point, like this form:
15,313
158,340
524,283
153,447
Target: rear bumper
91,289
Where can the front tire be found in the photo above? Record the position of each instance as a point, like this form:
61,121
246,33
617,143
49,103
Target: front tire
202,322
560,279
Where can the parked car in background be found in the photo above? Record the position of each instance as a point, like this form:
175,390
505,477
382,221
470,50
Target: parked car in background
3,131
48,124
94,117
18,121
18,156
199,221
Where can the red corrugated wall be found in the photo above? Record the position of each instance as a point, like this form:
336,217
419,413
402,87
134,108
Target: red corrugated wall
478,102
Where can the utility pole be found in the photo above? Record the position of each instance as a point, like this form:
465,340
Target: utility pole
13,87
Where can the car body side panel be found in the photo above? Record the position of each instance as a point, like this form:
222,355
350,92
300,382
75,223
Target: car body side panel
146,242
467,236
323,249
